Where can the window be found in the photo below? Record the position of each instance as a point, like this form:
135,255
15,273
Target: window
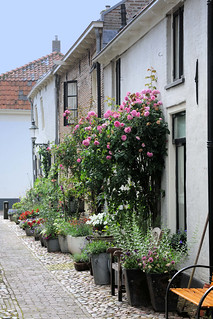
36,115
118,81
175,48
178,44
70,101
42,113
179,139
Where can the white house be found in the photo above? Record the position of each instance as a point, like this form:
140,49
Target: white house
169,36
15,119
15,159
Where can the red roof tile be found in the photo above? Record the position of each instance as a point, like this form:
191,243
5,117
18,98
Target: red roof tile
15,85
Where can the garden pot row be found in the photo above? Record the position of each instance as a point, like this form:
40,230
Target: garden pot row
142,289
65,244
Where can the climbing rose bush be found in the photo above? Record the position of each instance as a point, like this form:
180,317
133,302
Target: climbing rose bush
120,158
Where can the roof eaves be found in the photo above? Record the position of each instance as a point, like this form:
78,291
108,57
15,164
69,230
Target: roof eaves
80,40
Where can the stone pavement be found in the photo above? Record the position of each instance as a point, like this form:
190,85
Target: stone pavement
37,284
27,289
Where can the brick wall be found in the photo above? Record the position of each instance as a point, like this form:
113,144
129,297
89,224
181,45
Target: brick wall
112,19
134,6
80,72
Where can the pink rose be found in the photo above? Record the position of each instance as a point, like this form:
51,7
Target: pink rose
117,123
123,137
146,113
86,142
127,109
96,143
134,112
149,154
79,160
108,157
127,129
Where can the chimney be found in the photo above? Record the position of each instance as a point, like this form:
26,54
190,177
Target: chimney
56,45
123,16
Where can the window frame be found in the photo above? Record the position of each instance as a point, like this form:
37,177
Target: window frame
66,96
179,142
178,14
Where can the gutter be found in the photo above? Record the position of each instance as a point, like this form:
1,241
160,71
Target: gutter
210,123
57,87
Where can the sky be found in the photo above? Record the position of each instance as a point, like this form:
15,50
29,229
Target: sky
27,28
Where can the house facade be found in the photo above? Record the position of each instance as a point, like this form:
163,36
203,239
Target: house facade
15,118
81,80
168,36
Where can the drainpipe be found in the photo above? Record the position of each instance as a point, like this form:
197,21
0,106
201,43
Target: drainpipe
57,86
98,71
210,123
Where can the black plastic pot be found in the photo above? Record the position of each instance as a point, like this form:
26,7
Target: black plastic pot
136,287
157,284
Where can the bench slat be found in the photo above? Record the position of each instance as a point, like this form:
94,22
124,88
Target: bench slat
194,295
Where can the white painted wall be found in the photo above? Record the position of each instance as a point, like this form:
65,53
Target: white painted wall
152,50
46,126
16,153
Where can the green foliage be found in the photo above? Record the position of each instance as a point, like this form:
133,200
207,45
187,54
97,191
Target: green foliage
63,227
97,247
80,230
81,258
45,159
126,232
179,240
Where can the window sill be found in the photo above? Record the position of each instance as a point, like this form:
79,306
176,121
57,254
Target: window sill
175,83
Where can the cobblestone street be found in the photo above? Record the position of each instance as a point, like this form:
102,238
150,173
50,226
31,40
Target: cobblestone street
36,284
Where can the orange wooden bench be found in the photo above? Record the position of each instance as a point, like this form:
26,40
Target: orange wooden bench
201,297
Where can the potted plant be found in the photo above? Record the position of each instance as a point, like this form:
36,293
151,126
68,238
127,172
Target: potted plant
38,226
63,228
135,279
29,229
76,238
81,261
160,263
99,261
49,234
